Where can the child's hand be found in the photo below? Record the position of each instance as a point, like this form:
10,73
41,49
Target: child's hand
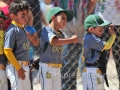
28,35
74,38
111,29
21,74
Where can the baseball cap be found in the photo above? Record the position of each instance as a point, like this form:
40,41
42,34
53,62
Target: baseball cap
93,21
55,10
3,15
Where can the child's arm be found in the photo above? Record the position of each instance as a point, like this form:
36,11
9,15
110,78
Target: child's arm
9,54
111,40
59,41
91,6
30,18
33,38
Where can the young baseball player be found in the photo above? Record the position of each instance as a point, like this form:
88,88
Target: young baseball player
16,47
3,59
93,46
51,42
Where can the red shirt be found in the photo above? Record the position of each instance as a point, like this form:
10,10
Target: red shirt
6,12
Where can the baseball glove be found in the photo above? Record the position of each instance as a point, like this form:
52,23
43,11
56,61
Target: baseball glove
103,65
35,64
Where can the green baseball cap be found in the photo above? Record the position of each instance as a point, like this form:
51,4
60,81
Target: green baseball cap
56,10
93,21
3,15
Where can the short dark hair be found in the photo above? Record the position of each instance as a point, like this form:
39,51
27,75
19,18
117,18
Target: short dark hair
17,6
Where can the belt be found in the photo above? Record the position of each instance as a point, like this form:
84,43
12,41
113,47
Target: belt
54,65
97,71
89,64
2,67
22,63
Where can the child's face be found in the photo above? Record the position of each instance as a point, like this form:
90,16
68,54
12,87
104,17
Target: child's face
98,31
2,20
21,17
60,20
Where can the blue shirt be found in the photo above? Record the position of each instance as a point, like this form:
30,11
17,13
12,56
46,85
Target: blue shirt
53,53
92,42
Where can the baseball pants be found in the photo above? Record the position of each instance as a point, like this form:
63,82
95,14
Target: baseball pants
3,80
16,83
92,79
50,77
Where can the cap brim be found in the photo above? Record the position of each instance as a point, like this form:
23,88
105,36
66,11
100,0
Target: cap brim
4,17
105,24
70,14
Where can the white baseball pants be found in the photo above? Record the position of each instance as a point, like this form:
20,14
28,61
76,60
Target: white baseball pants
50,78
3,80
92,80
16,83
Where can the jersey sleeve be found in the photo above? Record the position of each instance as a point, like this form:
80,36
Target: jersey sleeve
9,54
9,39
109,43
47,34
96,43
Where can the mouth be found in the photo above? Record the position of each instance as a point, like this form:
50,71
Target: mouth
64,24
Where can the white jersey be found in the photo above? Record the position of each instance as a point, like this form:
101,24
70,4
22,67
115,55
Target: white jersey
108,11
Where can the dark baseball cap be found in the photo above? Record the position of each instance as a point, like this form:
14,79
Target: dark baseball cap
56,10
93,21
3,15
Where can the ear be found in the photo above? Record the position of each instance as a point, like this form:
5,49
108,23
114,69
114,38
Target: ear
12,16
90,29
53,18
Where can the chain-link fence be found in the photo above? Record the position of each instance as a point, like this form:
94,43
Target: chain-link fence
108,10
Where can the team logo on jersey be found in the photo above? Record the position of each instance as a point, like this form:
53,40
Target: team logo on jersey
25,46
57,48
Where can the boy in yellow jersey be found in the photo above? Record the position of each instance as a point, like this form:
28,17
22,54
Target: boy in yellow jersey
93,46
16,47
3,59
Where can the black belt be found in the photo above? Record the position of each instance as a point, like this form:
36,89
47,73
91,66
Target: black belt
91,64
